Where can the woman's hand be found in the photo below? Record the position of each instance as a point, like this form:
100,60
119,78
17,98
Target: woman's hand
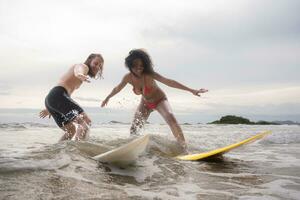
104,103
197,92
44,113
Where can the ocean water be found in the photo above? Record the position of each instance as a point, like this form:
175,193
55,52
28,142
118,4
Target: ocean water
34,166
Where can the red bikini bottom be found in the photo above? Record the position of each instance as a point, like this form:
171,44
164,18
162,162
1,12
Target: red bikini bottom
153,105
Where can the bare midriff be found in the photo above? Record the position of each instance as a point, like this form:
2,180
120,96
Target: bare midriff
155,95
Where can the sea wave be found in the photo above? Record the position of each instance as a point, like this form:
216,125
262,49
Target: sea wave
24,125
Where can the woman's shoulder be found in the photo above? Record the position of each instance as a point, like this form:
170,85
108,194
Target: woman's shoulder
127,77
150,76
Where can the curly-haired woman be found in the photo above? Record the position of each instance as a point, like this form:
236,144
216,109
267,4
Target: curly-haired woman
142,77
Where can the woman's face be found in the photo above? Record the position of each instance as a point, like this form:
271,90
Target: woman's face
137,67
96,66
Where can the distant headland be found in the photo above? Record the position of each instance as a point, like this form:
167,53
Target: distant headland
232,119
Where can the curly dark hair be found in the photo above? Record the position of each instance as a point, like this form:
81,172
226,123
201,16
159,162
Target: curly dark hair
139,54
89,60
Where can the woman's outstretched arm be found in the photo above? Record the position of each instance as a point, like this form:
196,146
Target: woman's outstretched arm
175,84
116,90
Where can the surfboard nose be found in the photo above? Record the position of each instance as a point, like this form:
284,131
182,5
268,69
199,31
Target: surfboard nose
127,153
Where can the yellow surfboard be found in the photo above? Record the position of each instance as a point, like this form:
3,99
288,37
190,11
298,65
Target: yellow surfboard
220,151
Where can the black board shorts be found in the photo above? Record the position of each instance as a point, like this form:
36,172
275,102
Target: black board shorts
61,106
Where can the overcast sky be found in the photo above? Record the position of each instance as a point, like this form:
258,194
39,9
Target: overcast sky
246,52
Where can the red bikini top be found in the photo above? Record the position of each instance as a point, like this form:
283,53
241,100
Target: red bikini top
146,90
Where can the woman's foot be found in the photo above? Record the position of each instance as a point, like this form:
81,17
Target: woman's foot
184,148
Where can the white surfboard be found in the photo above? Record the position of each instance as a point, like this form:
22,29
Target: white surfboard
125,154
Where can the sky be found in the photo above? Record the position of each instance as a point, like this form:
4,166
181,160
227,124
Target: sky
246,53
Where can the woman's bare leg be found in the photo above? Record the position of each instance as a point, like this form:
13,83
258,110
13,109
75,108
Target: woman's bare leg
164,109
140,117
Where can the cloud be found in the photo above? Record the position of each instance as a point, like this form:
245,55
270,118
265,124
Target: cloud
4,93
232,24
251,40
